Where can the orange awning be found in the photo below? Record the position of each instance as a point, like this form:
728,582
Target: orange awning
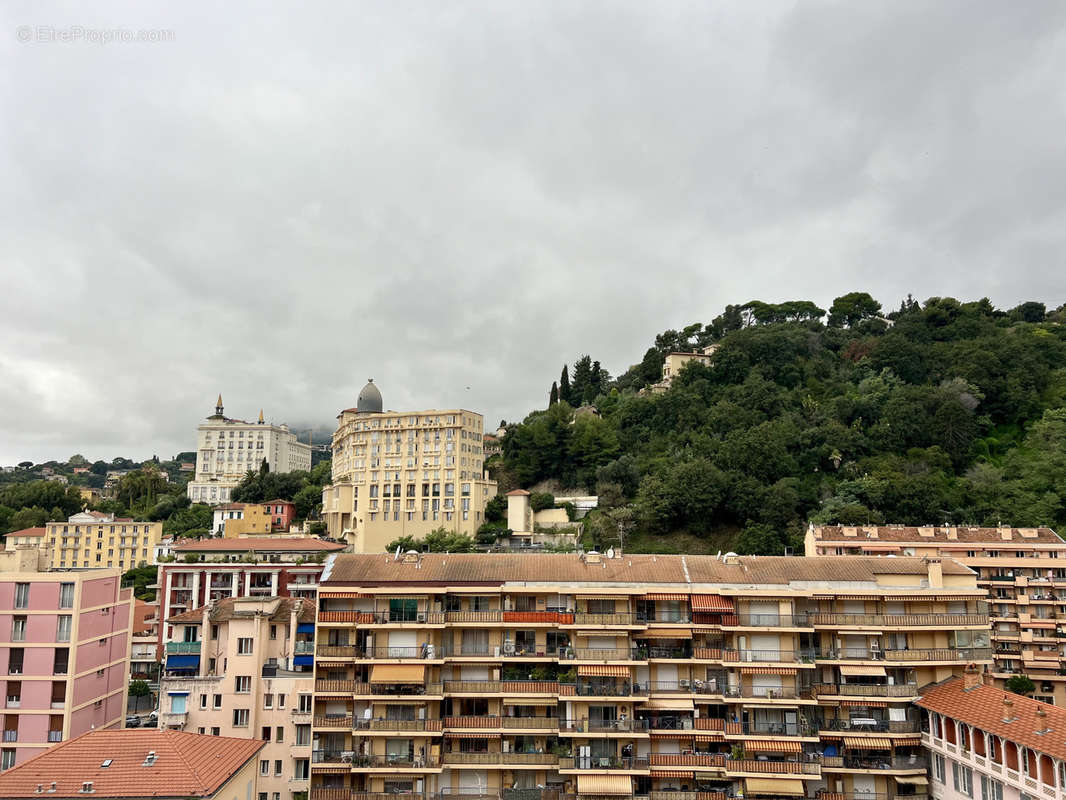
703,738
603,670
454,735
666,596
334,595
713,603
672,773
871,743
398,673
768,670
605,784
864,703
772,746
774,786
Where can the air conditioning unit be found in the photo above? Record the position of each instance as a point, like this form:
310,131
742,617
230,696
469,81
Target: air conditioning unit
508,647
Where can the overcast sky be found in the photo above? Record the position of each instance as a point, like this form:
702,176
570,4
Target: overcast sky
455,198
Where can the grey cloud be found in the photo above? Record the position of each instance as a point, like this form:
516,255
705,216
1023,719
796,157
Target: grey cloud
286,200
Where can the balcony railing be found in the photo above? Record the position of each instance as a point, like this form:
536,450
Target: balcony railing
787,656
603,725
868,690
539,617
585,654
870,726
766,621
603,762
958,654
495,687
499,758
622,689
770,693
383,689
900,620
586,618
473,616
355,651
429,725
356,760
178,648
381,617
915,762
510,723
304,647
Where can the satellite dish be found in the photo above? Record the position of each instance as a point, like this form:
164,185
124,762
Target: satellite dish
610,552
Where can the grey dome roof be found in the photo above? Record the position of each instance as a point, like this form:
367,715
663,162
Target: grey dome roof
369,399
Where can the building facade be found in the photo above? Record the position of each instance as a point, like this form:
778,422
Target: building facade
93,539
245,667
209,570
135,764
27,537
404,474
226,449
1022,569
64,654
145,656
987,743
249,519
670,677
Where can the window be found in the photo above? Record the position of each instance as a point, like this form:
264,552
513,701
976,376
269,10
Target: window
18,629
938,768
303,735
277,766
991,789
302,770
264,769
268,701
203,702
279,735
216,701
14,661
963,778
242,684
7,759
214,631
240,718
265,733
281,701
66,595
244,646
22,595
305,704
178,703
200,731
215,731
273,632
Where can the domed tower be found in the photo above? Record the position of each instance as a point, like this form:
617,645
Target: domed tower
369,401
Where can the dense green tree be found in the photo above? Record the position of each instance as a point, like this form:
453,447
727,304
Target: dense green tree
437,541
538,501
565,393
850,309
553,395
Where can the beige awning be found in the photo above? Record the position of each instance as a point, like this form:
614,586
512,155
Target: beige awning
398,673
670,704
604,784
676,596
768,670
773,786
530,701
872,743
664,633
915,780
865,671
603,670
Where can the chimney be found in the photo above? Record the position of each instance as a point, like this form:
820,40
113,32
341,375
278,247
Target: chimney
1008,709
1041,722
936,573
971,677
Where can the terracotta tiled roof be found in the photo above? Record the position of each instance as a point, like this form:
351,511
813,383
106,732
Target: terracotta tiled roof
275,502
260,544
517,493
186,765
230,507
365,568
982,706
229,608
27,532
940,535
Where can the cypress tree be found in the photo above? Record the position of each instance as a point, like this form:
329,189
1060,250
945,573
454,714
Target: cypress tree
564,386
553,395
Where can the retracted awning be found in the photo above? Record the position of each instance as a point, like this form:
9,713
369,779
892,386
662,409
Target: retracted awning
666,596
398,673
913,780
768,670
605,784
773,786
862,671
670,704
603,670
872,743
664,633
864,703
479,735
672,773
712,602
530,701
771,746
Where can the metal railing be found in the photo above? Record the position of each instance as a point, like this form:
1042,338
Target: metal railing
357,760
509,723
766,621
622,618
620,689
870,726
957,654
500,758
603,762
900,620
176,648
430,725
602,725
868,689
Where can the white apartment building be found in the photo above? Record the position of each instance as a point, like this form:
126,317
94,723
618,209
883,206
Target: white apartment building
226,449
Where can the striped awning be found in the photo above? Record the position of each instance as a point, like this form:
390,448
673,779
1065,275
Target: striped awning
337,595
673,773
864,703
912,741
774,786
768,670
670,704
703,738
658,733
871,743
705,629
603,670
862,671
666,596
331,768
772,746
664,633
603,596
605,784
470,735
713,603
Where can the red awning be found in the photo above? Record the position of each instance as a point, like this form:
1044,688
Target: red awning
712,602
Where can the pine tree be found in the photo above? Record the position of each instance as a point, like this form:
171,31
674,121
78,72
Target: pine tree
553,395
582,380
564,386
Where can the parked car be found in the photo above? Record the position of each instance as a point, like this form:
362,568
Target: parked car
133,721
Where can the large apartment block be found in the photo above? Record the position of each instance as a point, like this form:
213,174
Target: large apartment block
245,668
404,474
1022,569
94,539
64,654
666,677
226,449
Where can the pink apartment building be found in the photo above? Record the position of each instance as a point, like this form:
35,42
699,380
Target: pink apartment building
989,744
64,654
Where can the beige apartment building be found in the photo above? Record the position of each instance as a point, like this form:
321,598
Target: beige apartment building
535,677
227,448
243,668
404,474
1023,571
93,539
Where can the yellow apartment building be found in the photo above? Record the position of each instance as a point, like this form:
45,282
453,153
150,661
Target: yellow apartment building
1023,571
404,474
538,677
93,539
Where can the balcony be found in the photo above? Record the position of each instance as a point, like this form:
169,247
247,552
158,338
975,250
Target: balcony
539,617
766,621
334,721
183,648
504,723
473,617
900,620
603,762
950,654
545,759
357,652
584,654
602,690
580,726
371,762
870,726
867,690
505,687
773,656
397,725
607,620
874,762
380,617
767,693
811,766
